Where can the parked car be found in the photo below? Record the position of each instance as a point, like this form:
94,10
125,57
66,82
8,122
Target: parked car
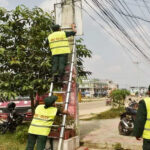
23,106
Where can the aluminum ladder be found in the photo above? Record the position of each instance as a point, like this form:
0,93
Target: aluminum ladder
67,95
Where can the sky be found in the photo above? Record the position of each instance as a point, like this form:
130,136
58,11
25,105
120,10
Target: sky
109,60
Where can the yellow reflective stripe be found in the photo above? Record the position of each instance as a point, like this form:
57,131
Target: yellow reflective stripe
43,119
148,129
40,126
59,47
58,41
148,119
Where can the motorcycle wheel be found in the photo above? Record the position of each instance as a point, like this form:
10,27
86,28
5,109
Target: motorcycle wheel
122,130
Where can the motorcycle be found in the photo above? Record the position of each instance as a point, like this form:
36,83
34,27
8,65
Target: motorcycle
127,119
13,120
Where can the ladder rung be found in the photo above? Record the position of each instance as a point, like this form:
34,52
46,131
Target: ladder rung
59,91
55,125
65,81
66,103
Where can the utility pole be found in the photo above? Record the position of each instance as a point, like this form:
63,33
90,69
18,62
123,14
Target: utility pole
65,17
67,20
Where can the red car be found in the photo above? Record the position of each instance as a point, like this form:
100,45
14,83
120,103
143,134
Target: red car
23,106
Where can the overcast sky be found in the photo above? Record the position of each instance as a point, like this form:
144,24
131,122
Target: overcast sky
109,60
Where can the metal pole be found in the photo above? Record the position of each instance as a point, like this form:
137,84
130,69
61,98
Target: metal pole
67,100
51,89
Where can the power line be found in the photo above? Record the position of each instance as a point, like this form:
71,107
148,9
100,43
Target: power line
146,6
114,21
110,34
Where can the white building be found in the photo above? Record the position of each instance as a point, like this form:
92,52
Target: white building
96,87
138,90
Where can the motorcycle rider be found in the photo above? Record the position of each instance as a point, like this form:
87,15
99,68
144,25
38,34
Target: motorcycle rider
142,122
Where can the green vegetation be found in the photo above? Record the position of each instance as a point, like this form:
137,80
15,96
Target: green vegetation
21,133
118,96
109,114
25,57
118,146
16,140
8,142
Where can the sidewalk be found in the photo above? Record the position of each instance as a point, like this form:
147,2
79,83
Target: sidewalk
103,134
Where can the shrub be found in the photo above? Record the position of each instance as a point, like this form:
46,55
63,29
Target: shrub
118,96
109,114
22,133
112,113
117,146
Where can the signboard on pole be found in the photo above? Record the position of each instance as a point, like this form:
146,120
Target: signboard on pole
66,15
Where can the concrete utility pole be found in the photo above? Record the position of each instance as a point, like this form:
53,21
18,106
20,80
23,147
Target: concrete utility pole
67,18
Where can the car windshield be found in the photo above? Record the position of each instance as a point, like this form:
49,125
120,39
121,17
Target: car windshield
21,98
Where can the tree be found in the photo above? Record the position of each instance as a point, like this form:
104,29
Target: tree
25,58
118,96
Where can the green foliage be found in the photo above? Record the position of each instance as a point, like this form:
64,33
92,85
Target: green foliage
25,58
58,119
118,96
9,142
109,114
24,54
22,133
118,146
82,52
112,113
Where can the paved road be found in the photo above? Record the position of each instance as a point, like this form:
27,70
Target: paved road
86,109
102,134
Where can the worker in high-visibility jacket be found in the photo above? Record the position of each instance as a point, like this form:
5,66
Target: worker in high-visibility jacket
142,122
59,46
41,124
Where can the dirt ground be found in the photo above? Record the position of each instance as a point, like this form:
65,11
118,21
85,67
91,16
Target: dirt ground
103,134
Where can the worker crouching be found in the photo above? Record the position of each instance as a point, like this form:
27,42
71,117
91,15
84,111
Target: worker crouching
41,124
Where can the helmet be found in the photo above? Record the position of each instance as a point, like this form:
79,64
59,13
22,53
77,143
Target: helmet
11,106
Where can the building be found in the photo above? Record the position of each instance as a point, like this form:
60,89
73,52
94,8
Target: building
138,90
96,87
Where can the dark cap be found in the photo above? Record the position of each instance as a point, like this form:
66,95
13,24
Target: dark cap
49,101
56,27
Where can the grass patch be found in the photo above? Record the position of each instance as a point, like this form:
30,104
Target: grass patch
9,142
109,114
16,140
118,146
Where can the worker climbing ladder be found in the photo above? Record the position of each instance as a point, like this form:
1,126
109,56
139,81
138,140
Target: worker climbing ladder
66,13
67,92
